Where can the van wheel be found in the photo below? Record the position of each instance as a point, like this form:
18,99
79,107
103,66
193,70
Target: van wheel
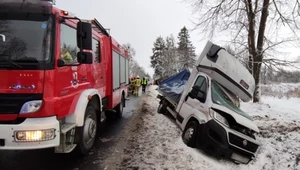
120,107
87,133
161,108
190,133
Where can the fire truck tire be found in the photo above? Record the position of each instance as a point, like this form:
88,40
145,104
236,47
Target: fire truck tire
87,133
120,107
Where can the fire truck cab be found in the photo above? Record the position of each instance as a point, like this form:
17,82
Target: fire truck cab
60,77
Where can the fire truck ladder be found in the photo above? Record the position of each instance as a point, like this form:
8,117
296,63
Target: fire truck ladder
96,24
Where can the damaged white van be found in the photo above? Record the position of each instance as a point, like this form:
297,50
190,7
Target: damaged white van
205,103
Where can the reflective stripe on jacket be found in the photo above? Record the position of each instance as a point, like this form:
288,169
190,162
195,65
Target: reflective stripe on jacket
144,82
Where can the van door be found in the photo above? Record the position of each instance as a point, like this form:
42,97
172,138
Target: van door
192,106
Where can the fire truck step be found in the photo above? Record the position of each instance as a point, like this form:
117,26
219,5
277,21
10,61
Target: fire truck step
67,127
70,148
67,138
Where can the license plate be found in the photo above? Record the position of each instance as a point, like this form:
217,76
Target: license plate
239,158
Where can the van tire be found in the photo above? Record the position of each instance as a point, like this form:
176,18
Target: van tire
189,135
161,109
89,129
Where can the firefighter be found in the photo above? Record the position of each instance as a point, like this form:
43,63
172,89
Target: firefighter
144,84
132,85
137,85
66,56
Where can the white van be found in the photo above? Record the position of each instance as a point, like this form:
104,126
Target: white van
205,103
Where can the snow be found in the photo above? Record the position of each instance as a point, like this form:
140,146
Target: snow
281,90
156,141
272,107
281,87
278,121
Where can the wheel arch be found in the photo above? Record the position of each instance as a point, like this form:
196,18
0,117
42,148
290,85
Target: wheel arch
87,97
192,119
198,119
123,93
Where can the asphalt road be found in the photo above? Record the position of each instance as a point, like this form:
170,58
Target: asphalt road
47,159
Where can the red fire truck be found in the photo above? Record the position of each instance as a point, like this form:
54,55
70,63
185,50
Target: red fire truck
60,77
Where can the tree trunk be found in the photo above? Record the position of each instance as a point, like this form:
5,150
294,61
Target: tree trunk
260,43
251,35
256,75
250,64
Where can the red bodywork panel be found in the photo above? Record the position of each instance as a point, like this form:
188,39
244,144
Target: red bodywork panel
56,87
10,79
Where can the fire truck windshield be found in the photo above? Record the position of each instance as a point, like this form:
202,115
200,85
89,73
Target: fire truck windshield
25,39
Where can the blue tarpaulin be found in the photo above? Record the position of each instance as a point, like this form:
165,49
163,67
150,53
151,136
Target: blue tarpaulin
173,87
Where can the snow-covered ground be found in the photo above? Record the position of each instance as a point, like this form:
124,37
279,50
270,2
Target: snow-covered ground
280,90
279,124
154,141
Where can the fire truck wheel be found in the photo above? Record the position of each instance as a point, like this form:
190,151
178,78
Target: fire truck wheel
88,131
120,107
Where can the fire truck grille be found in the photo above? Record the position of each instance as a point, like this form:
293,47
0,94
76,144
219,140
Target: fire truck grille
240,142
12,103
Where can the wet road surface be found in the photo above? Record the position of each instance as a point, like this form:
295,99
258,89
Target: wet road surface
46,159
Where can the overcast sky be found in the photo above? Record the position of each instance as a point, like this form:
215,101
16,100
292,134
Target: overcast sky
138,22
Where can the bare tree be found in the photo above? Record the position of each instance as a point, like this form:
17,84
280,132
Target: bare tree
130,49
134,68
257,28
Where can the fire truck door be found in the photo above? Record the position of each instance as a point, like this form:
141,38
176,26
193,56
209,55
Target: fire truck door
70,79
99,72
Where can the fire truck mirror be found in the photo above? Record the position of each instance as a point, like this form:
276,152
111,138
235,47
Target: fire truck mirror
85,57
60,63
84,35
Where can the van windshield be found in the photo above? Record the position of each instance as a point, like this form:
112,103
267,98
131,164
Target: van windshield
25,39
220,97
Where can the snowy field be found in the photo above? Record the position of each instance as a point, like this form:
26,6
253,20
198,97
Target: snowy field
280,90
154,141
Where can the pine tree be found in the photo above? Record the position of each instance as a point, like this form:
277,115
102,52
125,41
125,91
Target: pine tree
157,57
170,61
186,50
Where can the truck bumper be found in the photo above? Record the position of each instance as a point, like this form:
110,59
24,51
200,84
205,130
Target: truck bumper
221,141
33,133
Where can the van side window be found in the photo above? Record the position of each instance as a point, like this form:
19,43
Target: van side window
96,50
201,81
68,44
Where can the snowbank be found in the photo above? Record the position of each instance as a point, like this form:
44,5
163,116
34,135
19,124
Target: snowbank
155,141
279,124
